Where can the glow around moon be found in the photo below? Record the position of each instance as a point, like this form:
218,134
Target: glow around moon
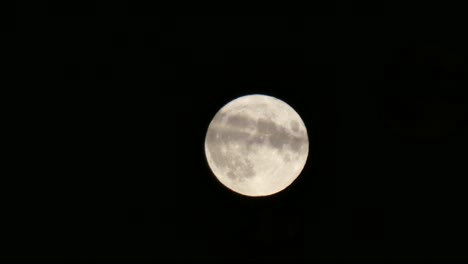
256,145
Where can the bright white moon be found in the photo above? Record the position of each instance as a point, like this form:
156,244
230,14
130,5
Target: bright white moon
256,145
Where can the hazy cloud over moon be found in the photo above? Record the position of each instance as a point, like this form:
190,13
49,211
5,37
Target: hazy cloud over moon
238,128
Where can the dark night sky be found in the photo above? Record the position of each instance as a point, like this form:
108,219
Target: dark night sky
120,107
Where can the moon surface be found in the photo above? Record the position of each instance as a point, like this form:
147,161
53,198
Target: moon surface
256,145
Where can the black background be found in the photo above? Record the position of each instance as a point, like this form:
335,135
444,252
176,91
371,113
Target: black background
118,103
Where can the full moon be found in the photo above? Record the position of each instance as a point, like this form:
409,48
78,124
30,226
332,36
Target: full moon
256,145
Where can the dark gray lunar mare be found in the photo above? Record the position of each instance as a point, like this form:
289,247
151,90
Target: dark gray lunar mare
247,133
